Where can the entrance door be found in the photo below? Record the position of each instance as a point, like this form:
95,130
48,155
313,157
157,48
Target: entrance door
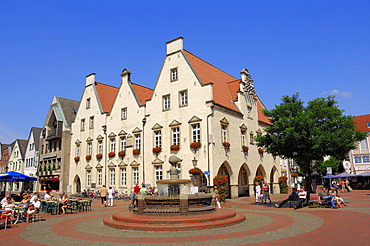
78,185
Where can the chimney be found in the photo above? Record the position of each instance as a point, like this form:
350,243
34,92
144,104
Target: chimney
125,75
174,45
90,79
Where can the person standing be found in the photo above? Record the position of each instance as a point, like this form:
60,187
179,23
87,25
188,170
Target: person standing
103,196
301,198
134,193
258,191
110,197
266,192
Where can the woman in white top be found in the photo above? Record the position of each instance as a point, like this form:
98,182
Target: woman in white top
48,196
110,197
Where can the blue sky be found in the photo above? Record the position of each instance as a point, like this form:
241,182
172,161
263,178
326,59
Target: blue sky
47,48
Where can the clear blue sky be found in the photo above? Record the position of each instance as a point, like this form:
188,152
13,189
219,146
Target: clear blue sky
48,47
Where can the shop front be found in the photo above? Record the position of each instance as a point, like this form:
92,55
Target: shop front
49,183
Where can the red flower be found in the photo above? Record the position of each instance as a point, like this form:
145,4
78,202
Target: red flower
195,171
245,148
122,153
195,145
136,151
99,156
88,157
157,149
111,154
260,150
77,158
175,147
294,175
226,144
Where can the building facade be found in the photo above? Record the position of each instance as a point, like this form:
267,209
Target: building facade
32,157
4,157
359,158
16,160
123,136
55,141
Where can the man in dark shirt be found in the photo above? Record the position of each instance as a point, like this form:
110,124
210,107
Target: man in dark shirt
291,197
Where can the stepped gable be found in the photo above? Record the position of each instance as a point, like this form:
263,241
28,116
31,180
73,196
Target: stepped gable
143,93
361,122
210,74
107,95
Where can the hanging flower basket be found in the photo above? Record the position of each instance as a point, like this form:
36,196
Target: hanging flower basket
226,145
88,157
99,156
294,175
245,148
220,180
157,149
195,171
258,179
136,151
111,154
195,145
260,151
122,153
77,158
175,147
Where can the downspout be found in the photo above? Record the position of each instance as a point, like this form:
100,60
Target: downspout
143,146
208,155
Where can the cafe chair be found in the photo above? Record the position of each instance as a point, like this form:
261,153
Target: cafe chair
6,217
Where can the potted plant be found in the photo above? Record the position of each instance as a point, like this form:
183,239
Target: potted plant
258,179
195,171
77,158
88,157
294,175
226,145
245,148
260,151
283,184
136,151
111,154
195,145
99,156
157,149
175,147
122,153
220,182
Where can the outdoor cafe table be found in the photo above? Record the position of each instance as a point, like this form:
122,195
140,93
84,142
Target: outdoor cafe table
58,204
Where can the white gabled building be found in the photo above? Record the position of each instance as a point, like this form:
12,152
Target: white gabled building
16,160
192,101
31,157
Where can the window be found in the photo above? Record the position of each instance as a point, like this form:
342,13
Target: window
83,125
166,102
176,136
100,177
366,159
88,103
195,131
78,150
251,138
249,112
158,173
42,149
244,176
363,144
157,139
112,177
123,143
135,175
123,177
91,122
358,159
137,141
223,133
183,98
100,147
368,124
174,74
89,148
112,145
123,113
88,177
243,138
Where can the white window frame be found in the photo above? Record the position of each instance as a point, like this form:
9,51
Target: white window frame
166,102
158,138
88,103
89,148
112,177
223,133
175,135
135,175
195,132
174,74
100,177
123,142
82,124
137,141
243,137
123,113
78,150
183,98
100,147
158,172
91,122
88,177
123,176
364,144
112,145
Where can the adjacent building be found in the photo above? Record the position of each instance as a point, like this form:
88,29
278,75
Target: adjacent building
16,160
208,118
32,157
55,141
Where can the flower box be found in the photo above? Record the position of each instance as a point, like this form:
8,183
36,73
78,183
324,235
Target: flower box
258,179
157,149
136,151
294,175
122,153
260,151
175,147
88,157
99,156
245,148
226,145
77,158
111,154
195,145
195,171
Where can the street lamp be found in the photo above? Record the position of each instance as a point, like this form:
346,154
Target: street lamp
195,161
106,154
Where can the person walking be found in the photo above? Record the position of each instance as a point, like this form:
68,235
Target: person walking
291,197
110,197
265,192
103,195
258,191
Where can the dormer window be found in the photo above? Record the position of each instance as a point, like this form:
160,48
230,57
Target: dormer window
88,103
174,74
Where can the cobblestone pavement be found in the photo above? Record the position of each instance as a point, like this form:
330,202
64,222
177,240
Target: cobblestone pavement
265,225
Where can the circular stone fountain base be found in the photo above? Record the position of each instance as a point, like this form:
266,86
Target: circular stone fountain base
130,221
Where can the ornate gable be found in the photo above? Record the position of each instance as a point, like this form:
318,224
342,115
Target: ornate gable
111,165
194,119
157,161
243,127
134,163
112,135
136,130
122,164
99,166
89,140
122,133
224,121
174,123
157,127
78,142
88,167
100,138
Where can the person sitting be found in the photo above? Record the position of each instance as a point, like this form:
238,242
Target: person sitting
143,190
47,196
34,207
66,203
337,199
301,198
291,197
324,196
36,194
62,196
8,204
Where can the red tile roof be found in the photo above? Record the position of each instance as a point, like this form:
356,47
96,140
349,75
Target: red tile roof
210,74
234,89
261,116
361,122
143,93
107,95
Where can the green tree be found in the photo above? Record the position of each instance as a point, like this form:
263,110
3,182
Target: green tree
332,162
307,134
